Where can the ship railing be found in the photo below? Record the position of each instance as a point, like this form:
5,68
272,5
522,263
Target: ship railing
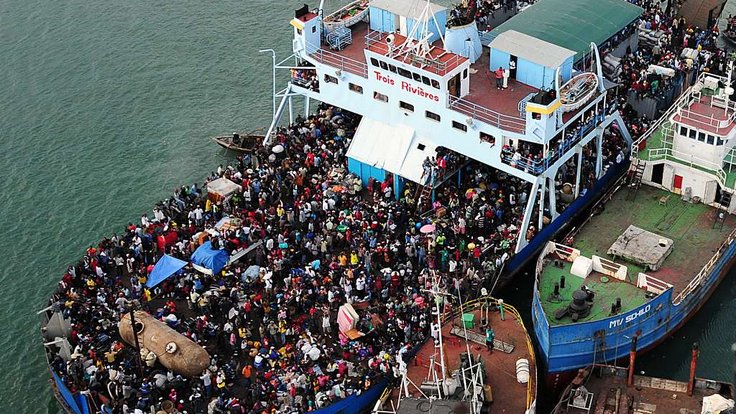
701,277
703,120
669,154
488,116
340,62
375,41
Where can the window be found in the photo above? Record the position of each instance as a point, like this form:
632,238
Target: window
405,73
701,136
374,62
425,80
692,133
299,31
460,126
465,73
432,115
417,77
711,140
330,79
355,88
380,97
421,147
314,29
719,141
409,107
392,68
487,138
435,84
683,131
384,65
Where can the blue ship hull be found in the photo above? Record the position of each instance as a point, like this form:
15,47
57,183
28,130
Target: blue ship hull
530,251
569,347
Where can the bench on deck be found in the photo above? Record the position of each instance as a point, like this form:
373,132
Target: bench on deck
481,339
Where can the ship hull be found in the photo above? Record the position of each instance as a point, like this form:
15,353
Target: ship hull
566,348
564,220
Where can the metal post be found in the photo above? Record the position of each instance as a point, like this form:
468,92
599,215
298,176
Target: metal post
632,360
273,79
693,366
137,344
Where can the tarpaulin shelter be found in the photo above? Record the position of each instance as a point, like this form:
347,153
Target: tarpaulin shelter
165,267
208,260
221,188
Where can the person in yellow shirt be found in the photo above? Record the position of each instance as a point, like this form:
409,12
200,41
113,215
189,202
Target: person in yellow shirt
354,258
342,259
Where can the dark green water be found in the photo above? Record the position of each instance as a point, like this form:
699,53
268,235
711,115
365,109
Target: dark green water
105,107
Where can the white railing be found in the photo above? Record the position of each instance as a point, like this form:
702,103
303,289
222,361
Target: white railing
700,278
374,40
489,116
682,101
669,154
339,61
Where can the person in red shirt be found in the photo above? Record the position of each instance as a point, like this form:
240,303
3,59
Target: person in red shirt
499,78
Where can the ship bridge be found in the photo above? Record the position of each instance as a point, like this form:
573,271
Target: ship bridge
421,86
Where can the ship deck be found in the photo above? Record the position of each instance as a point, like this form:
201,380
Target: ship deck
690,226
650,395
508,393
483,92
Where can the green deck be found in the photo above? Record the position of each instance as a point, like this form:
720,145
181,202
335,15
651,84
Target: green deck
690,226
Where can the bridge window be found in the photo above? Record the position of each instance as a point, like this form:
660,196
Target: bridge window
392,68
405,73
384,65
380,97
425,80
355,88
683,131
711,140
374,62
692,133
432,115
417,77
435,83
409,107
460,126
719,141
330,79
701,136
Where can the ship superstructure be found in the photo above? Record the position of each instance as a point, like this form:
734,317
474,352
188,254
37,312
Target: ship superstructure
644,272
421,86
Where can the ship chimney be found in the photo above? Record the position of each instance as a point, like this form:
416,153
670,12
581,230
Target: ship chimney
632,360
562,281
693,366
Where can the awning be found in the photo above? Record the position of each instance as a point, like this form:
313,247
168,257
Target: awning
419,150
531,48
380,145
165,267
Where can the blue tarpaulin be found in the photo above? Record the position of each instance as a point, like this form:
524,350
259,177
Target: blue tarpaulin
208,258
165,267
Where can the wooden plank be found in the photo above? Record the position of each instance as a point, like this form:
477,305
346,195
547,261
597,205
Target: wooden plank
481,339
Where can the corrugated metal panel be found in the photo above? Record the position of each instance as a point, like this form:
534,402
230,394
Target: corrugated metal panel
573,24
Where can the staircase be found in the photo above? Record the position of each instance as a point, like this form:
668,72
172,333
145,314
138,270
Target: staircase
423,196
635,180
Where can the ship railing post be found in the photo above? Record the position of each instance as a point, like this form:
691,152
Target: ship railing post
273,79
693,366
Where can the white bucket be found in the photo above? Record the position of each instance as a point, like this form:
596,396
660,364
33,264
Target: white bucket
522,370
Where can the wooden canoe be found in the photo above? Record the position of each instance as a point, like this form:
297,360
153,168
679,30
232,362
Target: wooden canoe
239,143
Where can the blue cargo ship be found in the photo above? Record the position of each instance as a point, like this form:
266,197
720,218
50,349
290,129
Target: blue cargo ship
655,247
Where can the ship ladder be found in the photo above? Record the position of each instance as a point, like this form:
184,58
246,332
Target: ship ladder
424,198
636,178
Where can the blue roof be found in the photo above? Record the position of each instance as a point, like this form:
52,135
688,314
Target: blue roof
165,267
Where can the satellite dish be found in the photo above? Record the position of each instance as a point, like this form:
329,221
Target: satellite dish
390,39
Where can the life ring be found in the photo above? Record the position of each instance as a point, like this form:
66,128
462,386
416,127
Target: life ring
171,348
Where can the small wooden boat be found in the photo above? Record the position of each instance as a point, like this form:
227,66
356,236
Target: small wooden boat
347,16
577,91
240,143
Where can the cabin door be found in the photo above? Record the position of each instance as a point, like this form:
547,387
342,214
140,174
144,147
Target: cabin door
453,86
512,67
678,184
711,192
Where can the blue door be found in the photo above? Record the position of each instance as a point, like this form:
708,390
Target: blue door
388,21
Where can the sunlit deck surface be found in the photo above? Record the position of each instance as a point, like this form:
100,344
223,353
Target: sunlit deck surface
508,393
647,395
707,117
690,226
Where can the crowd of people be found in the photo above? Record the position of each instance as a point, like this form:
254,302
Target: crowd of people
273,336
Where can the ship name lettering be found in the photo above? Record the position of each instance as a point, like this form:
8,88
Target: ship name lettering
629,318
419,91
383,78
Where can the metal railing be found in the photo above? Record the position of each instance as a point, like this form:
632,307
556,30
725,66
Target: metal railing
489,116
340,62
669,154
375,41
699,279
